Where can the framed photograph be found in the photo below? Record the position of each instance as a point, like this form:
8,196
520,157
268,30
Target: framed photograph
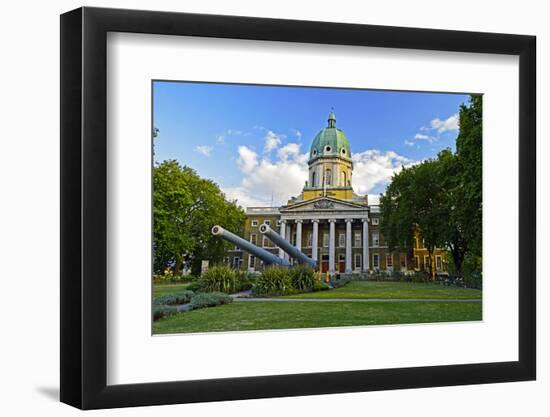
257,208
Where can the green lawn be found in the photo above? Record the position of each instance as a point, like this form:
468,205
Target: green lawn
261,315
373,289
164,289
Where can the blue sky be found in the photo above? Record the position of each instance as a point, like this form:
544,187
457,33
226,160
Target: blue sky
253,140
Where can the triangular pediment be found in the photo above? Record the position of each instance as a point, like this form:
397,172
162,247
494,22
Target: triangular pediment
324,204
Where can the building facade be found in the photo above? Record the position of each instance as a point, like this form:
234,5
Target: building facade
329,222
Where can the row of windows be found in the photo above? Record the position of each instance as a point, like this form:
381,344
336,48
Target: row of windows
255,223
357,240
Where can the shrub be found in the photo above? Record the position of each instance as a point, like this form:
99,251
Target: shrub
320,286
163,311
303,278
182,297
275,280
203,300
421,277
220,279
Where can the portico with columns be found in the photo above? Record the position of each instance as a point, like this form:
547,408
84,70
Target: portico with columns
333,232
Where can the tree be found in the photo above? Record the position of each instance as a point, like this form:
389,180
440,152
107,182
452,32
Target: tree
470,160
185,207
441,197
414,202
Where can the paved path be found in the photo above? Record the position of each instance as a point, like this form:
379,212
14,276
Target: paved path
362,300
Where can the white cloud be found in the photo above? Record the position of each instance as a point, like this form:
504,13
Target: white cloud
272,141
220,140
436,125
248,159
204,149
441,126
275,180
374,169
268,180
289,150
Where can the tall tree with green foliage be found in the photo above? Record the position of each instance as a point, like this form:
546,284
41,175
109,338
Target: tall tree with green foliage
185,207
441,196
470,159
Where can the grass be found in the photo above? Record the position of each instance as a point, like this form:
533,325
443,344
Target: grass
263,315
163,289
408,290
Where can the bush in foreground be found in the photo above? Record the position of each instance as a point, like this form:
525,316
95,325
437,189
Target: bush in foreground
223,279
275,280
182,297
212,299
163,311
303,278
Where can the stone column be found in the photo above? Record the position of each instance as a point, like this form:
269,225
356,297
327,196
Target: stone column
288,238
366,258
283,231
299,234
331,249
348,245
315,240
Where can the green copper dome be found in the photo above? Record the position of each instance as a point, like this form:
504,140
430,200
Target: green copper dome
330,141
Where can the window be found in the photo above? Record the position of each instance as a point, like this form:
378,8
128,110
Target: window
416,263
268,222
309,239
426,262
375,239
357,261
343,151
389,260
325,239
328,148
328,177
438,263
375,221
237,248
341,240
254,223
253,238
403,261
266,243
357,240
343,181
226,260
251,261
313,184
236,262
376,261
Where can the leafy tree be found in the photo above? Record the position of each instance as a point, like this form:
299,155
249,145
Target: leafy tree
441,197
185,207
470,160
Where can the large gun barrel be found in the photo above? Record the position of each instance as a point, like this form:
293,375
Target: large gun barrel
293,251
264,255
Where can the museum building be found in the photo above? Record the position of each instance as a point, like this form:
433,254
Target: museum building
329,222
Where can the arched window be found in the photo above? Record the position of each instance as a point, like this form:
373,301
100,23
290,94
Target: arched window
328,177
343,179
313,184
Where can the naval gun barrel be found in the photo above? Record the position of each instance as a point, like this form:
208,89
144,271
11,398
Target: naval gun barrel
281,242
264,255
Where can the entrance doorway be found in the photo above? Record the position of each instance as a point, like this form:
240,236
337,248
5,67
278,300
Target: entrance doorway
324,263
341,263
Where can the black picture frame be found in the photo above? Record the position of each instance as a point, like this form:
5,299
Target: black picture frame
84,207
